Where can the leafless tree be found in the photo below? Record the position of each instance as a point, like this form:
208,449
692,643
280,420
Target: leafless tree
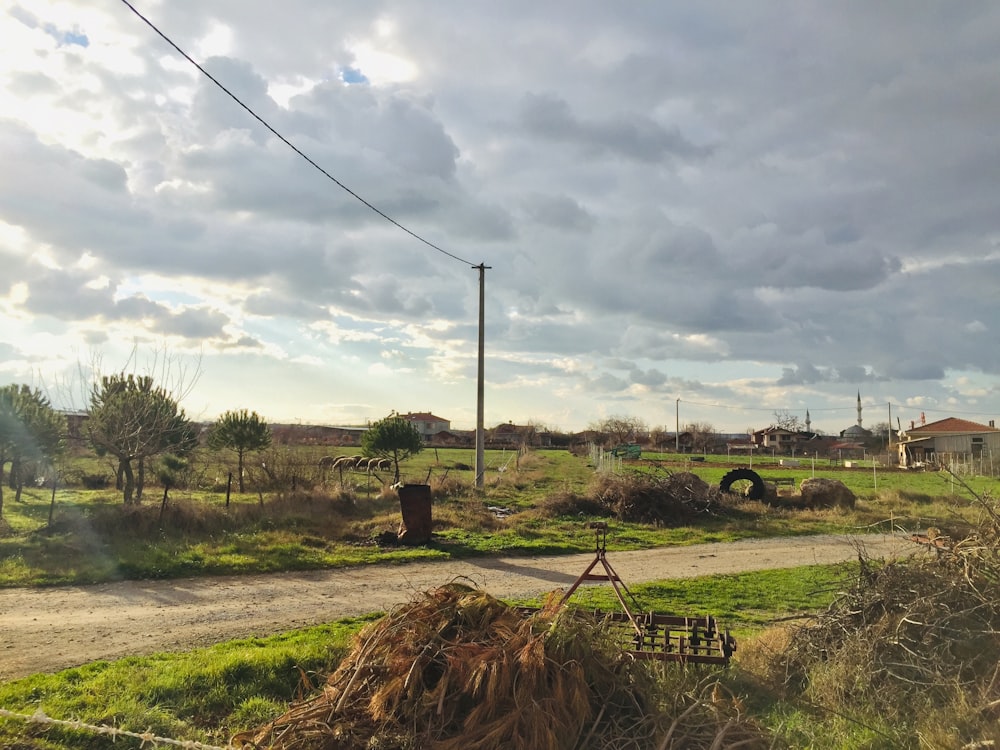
621,429
702,436
787,421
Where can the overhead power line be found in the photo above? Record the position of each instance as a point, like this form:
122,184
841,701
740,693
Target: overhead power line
868,406
291,145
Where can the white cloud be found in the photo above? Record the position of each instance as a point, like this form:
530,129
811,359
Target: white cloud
748,209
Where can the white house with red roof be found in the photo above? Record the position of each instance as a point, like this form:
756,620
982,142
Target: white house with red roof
947,439
426,423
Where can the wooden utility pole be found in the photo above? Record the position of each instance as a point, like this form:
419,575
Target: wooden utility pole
480,387
677,426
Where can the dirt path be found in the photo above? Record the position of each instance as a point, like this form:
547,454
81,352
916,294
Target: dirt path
45,630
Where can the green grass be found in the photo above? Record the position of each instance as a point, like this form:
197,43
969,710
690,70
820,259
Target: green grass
94,538
744,601
208,694
204,695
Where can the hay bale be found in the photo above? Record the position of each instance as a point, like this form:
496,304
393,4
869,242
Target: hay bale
818,492
457,669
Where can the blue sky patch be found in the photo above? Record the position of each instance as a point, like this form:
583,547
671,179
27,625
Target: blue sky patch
353,75
66,38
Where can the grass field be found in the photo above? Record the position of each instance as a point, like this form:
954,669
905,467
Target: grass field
208,694
332,521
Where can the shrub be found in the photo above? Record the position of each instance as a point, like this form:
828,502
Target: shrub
567,503
912,642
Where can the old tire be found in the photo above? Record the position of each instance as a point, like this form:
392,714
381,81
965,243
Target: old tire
755,491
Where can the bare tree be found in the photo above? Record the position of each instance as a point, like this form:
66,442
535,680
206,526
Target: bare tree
702,436
660,436
621,429
787,421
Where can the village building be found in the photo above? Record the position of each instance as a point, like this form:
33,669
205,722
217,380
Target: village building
510,434
947,441
426,423
779,440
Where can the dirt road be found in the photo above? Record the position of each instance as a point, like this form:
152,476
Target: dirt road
45,630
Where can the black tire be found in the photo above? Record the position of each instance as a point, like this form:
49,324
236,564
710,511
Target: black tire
756,491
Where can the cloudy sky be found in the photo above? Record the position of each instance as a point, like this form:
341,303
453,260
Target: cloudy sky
750,207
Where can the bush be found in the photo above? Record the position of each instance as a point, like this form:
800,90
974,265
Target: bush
565,503
94,481
913,643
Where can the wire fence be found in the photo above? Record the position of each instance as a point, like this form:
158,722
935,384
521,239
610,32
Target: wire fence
147,738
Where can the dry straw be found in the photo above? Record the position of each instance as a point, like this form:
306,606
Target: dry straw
457,669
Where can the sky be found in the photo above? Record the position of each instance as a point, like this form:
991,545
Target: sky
695,211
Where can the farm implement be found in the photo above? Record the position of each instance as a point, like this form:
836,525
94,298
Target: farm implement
651,635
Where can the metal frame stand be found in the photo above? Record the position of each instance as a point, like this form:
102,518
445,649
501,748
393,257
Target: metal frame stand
601,558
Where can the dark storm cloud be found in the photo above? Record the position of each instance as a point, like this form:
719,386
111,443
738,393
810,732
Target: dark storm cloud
634,137
58,195
270,304
193,323
560,212
70,296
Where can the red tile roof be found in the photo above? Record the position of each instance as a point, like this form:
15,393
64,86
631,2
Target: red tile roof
422,416
953,424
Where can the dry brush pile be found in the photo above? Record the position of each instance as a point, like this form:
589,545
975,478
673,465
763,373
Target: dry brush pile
659,500
456,669
914,644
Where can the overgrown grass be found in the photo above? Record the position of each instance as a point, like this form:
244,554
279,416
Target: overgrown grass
549,497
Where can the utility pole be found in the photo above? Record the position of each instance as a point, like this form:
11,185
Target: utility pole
480,386
888,448
677,427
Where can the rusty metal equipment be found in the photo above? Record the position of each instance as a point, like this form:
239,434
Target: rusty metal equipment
652,635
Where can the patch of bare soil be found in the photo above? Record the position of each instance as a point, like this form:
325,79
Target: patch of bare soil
45,630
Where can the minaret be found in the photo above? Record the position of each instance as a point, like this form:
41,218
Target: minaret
859,408
808,423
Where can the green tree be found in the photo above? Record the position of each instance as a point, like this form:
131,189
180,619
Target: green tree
132,419
394,438
31,432
169,470
240,431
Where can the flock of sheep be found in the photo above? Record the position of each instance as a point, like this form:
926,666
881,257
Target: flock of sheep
354,463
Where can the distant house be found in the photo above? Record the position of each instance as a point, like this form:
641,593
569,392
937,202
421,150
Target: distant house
946,440
453,439
426,423
739,443
303,434
508,433
781,440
